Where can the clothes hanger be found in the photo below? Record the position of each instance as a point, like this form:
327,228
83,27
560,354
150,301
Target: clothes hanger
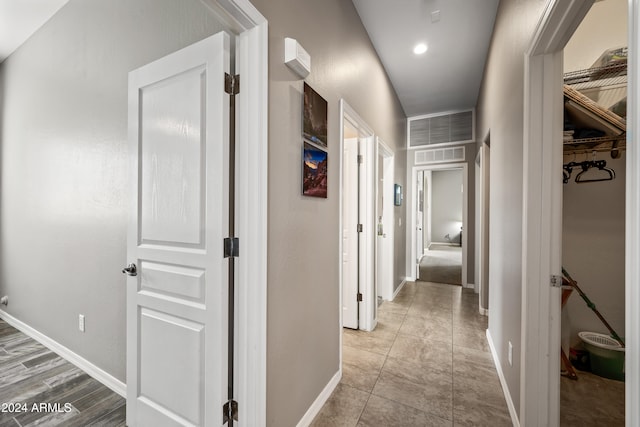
601,165
567,169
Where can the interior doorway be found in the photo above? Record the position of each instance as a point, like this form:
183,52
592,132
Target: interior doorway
358,222
593,234
542,227
439,215
439,230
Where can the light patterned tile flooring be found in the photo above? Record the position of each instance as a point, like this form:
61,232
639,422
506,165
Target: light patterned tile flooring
427,363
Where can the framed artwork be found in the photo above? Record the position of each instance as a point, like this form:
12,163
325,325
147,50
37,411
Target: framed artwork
314,171
397,194
314,117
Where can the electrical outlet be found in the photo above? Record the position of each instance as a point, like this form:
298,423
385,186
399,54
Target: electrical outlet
81,322
510,354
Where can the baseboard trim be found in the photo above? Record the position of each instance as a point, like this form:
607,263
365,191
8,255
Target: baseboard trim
395,293
483,311
322,398
503,382
107,379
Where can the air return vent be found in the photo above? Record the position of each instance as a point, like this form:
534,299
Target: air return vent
439,155
441,129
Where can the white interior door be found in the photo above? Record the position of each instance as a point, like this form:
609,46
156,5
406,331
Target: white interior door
385,256
366,238
350,234
177,301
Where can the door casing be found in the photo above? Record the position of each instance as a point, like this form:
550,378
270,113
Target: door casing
413,209
367,307
542,214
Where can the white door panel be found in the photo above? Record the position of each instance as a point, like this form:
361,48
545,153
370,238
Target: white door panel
350,235
176,304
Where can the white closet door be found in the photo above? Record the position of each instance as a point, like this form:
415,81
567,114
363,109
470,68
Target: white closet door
177,299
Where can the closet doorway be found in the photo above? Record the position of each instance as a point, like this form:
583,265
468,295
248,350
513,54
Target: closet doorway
593,219
542,232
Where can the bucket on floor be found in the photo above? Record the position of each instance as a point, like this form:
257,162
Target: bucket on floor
606,355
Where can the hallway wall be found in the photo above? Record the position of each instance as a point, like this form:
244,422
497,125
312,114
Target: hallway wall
500,109
64,194
303,295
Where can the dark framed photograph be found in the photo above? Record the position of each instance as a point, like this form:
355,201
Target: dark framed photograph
397,194
314,171
314,117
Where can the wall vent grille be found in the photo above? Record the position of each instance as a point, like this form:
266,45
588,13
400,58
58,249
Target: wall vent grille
439,155
441,129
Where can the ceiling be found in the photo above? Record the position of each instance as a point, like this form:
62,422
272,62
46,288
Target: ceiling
19,19
447,76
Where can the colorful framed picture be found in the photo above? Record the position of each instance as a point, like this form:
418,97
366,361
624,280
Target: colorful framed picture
314,117
314,171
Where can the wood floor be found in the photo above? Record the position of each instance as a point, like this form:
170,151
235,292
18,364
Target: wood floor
39,388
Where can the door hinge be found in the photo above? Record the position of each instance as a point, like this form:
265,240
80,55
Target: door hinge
229,411
232,84
556,281
359,297
360,158
231,247
360,228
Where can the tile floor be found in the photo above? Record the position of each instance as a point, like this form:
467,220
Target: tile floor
427,363
591,401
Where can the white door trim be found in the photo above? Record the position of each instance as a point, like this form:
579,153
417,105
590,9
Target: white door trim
251,208
632,243
542,212
411,231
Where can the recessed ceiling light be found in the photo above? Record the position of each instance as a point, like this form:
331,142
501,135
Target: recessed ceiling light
420,49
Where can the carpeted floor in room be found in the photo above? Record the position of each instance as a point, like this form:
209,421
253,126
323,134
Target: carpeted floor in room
442,264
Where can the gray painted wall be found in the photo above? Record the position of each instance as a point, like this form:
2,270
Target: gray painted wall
593,251
500,109
303,312
65,185
446,209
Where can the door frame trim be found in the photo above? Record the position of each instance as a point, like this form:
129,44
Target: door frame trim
347,112
465,215
542,212
252,53
388,157
632,242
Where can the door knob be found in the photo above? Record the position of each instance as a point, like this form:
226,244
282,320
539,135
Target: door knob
130,270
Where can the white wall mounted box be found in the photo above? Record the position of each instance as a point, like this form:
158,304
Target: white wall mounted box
296,57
